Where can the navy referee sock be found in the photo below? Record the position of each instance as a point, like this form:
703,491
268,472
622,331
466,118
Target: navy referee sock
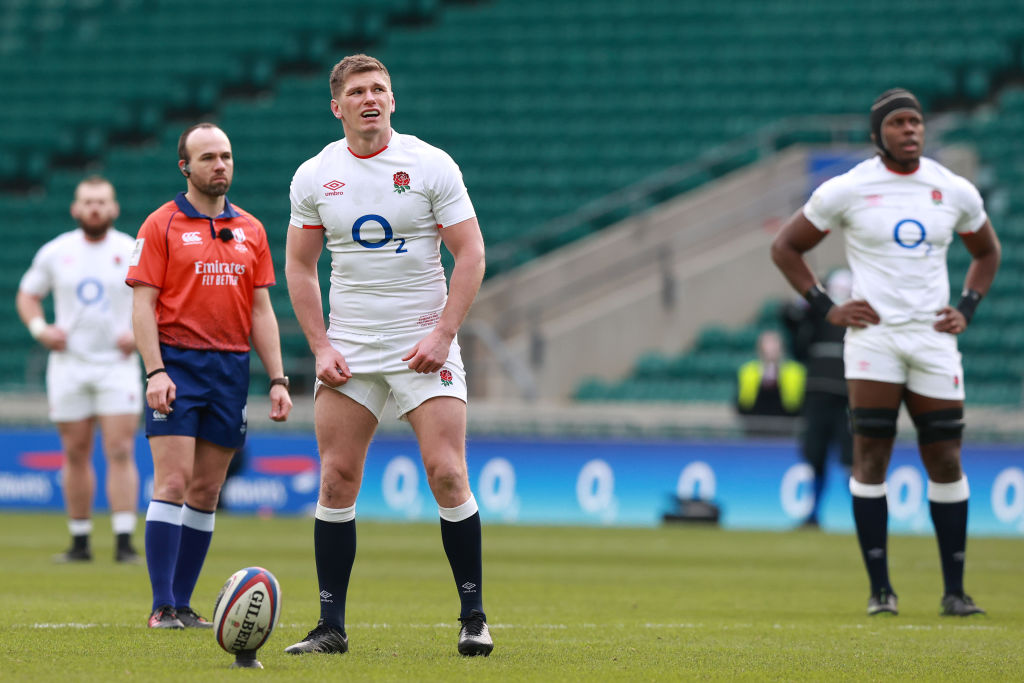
163,536
196,534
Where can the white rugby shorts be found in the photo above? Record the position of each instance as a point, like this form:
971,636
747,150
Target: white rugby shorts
913,354
76,389
375,361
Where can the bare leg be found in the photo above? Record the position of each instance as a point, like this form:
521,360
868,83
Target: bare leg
122,473
79,475
871,455
440,426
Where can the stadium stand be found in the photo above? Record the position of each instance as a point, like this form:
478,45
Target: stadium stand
992,360
548,107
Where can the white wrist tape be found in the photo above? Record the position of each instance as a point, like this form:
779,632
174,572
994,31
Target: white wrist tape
36,326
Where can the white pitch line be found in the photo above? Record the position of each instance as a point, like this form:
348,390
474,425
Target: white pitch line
553,627
384,626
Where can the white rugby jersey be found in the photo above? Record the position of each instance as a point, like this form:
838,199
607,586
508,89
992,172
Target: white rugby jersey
898,228
382,216
91,302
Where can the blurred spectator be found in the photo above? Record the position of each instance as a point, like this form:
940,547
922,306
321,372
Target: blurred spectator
770,389
818,344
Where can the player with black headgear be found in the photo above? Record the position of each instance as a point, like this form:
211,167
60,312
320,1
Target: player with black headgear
898,212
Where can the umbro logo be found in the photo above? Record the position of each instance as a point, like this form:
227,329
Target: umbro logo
326,596
335,188
468,587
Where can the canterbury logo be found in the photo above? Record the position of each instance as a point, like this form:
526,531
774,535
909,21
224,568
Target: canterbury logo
191,238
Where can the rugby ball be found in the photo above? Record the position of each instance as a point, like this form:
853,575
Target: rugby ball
246,610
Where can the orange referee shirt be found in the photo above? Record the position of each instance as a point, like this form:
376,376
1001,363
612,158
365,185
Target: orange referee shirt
206,283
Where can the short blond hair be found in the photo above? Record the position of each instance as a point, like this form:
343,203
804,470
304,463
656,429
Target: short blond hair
355,64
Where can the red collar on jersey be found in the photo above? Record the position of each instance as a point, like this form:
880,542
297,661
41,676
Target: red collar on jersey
368,156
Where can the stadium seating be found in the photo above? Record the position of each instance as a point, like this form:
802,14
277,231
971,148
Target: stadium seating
993,365
546,105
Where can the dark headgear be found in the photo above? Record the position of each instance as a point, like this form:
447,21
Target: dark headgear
888,102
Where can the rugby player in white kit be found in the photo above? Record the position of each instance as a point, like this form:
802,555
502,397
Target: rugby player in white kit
383,202
92,374
898,212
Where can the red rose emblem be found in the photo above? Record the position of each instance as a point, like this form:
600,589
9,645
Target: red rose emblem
446,377
401,182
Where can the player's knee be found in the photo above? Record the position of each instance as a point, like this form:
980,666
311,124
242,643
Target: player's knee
446,476
170,488
875,423
337,477
939,425
120,455
203,494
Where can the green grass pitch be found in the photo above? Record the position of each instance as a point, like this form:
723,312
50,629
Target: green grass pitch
677,603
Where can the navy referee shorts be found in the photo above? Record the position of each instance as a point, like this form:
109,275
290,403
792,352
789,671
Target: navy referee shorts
212,390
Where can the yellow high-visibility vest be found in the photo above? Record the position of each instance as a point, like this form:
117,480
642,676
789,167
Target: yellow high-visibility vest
792,378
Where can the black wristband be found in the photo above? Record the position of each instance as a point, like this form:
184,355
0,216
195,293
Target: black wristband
820,302
151,375
969,301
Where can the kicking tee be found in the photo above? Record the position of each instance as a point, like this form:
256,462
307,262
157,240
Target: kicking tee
382,216
90,301
206,283
898,228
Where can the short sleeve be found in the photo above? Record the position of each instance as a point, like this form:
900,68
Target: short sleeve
972,208
303,199
825,207
449,198
38,279
148,263
264,275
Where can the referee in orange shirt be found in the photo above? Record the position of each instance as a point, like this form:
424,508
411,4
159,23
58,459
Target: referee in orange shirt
200,272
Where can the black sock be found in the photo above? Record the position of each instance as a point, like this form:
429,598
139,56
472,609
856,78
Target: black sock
872,518
124,541
462,545
80,542
334,544
950,520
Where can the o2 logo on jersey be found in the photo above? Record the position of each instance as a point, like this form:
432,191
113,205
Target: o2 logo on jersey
388,233
89,291
909,233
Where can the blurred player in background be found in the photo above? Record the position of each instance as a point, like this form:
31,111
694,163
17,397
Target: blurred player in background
898,212
200,272
384,202
92,374
818,344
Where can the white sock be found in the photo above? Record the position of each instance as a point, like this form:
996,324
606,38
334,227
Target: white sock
123,522
335,514
80,527
953,492
459,512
